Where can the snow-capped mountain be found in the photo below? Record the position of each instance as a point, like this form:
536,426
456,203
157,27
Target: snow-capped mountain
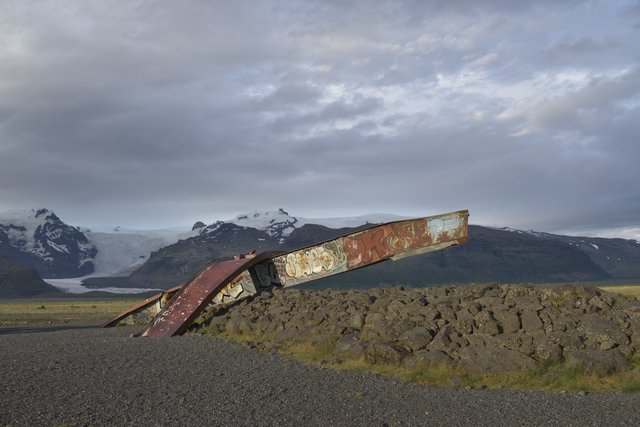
66,255
276,224
279,224
163,258
37,238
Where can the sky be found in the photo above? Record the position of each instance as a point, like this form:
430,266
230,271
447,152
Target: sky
150,114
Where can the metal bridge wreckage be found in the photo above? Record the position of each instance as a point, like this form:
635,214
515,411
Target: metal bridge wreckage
228,280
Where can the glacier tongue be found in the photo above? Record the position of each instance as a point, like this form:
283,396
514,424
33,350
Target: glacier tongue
121,252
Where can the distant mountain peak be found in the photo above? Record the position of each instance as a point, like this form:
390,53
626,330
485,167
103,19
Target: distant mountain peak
39,239
275,223
280,224
40,212
198,225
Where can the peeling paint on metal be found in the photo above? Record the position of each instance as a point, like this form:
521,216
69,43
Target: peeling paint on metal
229,280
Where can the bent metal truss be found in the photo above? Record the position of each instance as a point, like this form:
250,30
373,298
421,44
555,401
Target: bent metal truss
226,281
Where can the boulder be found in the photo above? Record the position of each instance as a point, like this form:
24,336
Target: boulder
531,323
427,357
508,320
494,360
349,346
377,327
548,352
604,332
599,362
383,353
486,324
442,341
416,339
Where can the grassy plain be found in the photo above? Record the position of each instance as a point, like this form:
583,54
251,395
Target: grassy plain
32,313
630,290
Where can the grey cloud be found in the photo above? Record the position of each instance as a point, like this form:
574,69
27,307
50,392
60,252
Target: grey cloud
583,51
567,112
346,109
148,113
291,95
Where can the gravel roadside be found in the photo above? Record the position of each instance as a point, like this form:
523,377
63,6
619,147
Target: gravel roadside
101,376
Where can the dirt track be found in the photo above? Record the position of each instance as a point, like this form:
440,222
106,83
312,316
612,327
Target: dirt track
101,376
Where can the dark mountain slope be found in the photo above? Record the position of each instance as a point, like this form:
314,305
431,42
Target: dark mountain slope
176,263
619,257
19,281
491,255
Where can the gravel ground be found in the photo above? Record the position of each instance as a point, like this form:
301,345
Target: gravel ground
101,376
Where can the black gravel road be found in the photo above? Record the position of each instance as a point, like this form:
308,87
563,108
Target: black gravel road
104,377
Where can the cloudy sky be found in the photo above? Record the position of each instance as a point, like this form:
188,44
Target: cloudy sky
157,113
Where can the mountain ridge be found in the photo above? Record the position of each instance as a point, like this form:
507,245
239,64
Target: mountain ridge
491,255
163,258
38,239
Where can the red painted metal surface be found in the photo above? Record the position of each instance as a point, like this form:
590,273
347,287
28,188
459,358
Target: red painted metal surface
185,306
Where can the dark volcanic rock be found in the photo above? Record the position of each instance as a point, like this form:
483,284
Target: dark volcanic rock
598,362
483,328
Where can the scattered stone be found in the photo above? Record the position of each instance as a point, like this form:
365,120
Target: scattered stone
548,352
531,323
383,353
494,360
483,328
349,347
486,324
416,339
427,357
597,362
509,320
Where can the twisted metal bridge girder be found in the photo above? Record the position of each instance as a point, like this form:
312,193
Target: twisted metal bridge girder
229,280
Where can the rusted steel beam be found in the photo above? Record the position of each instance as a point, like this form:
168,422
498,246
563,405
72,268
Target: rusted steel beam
145,311
189,302
392,240
230,280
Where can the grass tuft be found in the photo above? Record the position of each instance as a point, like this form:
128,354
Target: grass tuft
26,313
626,290
552,378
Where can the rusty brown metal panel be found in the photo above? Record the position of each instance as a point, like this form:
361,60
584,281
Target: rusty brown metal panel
197,294
392,240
